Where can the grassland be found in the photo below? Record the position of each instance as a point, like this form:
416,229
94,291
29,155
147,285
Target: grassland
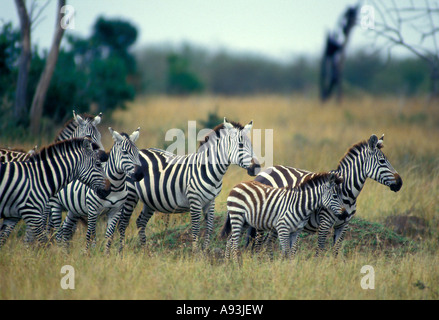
395,233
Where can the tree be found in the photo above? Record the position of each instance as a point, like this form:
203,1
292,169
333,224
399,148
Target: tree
20,105
334,55
43,84
180,79
396,22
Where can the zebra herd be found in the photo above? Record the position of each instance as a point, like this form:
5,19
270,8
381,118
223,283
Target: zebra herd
74,174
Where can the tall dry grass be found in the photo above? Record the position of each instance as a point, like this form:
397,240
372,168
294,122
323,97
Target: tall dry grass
306,135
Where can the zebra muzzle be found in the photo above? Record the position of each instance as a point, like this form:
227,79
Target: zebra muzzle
254,168
396,186
344,214
137,174
104,192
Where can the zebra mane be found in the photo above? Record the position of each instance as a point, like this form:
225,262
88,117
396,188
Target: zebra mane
356,148
46,150
314,180
217,131
353,150
13,149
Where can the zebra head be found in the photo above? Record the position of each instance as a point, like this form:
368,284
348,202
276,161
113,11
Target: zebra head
127,153
240,150
378,166
331,198
90,170
87,127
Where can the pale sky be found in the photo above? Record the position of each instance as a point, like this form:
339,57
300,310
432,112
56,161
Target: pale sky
275,28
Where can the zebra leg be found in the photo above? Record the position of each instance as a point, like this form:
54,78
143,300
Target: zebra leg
125,216
141,223
55,220
66,230
323,231
284,240
6,228
91,227
270,238
338,238
228,248
237,223
258,240
294,240
294,243
55,214
196,210
209,224
35,222
113,218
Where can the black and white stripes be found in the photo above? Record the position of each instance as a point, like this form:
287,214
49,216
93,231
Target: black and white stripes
282,211
81,201
363,160
25,187
177,184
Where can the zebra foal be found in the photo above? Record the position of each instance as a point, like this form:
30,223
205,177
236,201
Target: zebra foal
25,187
283,211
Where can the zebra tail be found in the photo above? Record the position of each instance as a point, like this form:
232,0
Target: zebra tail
227,228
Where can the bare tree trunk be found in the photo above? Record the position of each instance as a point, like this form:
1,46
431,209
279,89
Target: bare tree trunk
20,106
36,110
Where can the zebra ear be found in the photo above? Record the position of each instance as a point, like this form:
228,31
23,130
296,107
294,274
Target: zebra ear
135,135
334,179
248,127
116,136
373,141
380,142
227,125
97,119
78,119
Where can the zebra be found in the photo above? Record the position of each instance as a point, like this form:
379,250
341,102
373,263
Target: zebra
81,126
283,211
181,183
81,201
363,160
78,127
15,155
25,187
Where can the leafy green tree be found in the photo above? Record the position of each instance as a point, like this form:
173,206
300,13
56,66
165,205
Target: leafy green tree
180,79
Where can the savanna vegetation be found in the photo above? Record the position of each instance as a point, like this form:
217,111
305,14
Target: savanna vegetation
395,233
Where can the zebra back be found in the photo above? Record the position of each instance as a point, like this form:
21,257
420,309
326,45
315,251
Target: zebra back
11,155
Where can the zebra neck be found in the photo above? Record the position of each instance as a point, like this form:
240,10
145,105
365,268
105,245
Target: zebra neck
55,166
117,177
214,156
308,200
352,170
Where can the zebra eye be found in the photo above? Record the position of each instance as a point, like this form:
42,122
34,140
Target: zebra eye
334,196
382,161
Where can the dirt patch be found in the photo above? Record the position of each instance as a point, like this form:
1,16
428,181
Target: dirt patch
407,225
